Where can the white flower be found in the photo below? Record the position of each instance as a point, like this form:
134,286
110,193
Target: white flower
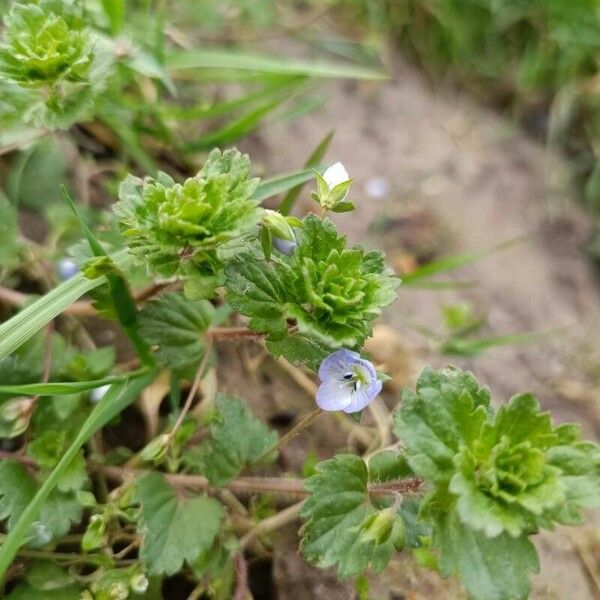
335,175
98,393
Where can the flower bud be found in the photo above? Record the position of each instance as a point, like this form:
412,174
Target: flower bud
118,591
139,583
379,527
286,247
94,534
155,449
278,224
16,414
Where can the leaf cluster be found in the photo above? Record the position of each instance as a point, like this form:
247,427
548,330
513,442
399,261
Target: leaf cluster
496,477
334,293
347,527
177,227
48,46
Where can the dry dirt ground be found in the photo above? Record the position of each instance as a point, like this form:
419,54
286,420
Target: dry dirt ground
460,179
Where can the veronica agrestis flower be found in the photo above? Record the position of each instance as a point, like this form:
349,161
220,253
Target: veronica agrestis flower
286,247
335,175
348,382
66,268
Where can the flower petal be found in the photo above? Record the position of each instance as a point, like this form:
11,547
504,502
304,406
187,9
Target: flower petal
335,175
286,247
331,396
363,397
337,363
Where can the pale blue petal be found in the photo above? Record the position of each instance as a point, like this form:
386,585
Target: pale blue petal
286,247
337,364
362,398
333,396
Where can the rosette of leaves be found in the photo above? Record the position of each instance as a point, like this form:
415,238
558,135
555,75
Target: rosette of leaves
178,227
334,293
47,44
496,477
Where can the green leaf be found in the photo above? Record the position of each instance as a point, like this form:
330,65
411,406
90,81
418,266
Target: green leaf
24,591
44,575
519,483
510,471
120,293
343,527
174,325
282,183
235,129
490,569
389,465
58,512
242,60
257,289
333,292
176,228
118,397
449,407
300,349
9,250
174,531
115,12
238,439
47,449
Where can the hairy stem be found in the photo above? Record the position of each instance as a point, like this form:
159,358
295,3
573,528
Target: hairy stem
273,523
303,424
283,486
193,390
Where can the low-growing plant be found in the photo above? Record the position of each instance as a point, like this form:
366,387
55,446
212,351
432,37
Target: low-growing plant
464,488
179,266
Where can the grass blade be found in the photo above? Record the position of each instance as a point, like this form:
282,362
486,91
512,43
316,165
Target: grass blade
451,263
460,346
118,397
234,129
34,317
240,60
38,314
120,294
61,388
277,185
287,204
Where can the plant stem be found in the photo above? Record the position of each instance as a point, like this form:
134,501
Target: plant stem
305,422
81,308
223,333
283,486
193,390
278,520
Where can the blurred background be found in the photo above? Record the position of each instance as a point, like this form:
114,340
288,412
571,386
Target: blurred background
471,129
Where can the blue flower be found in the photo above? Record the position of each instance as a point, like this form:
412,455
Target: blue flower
66,268
286,247
348,382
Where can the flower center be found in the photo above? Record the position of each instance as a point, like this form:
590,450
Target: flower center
356,377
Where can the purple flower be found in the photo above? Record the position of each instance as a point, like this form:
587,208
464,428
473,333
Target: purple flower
348,382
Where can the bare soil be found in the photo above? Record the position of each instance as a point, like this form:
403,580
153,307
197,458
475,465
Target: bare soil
461,179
